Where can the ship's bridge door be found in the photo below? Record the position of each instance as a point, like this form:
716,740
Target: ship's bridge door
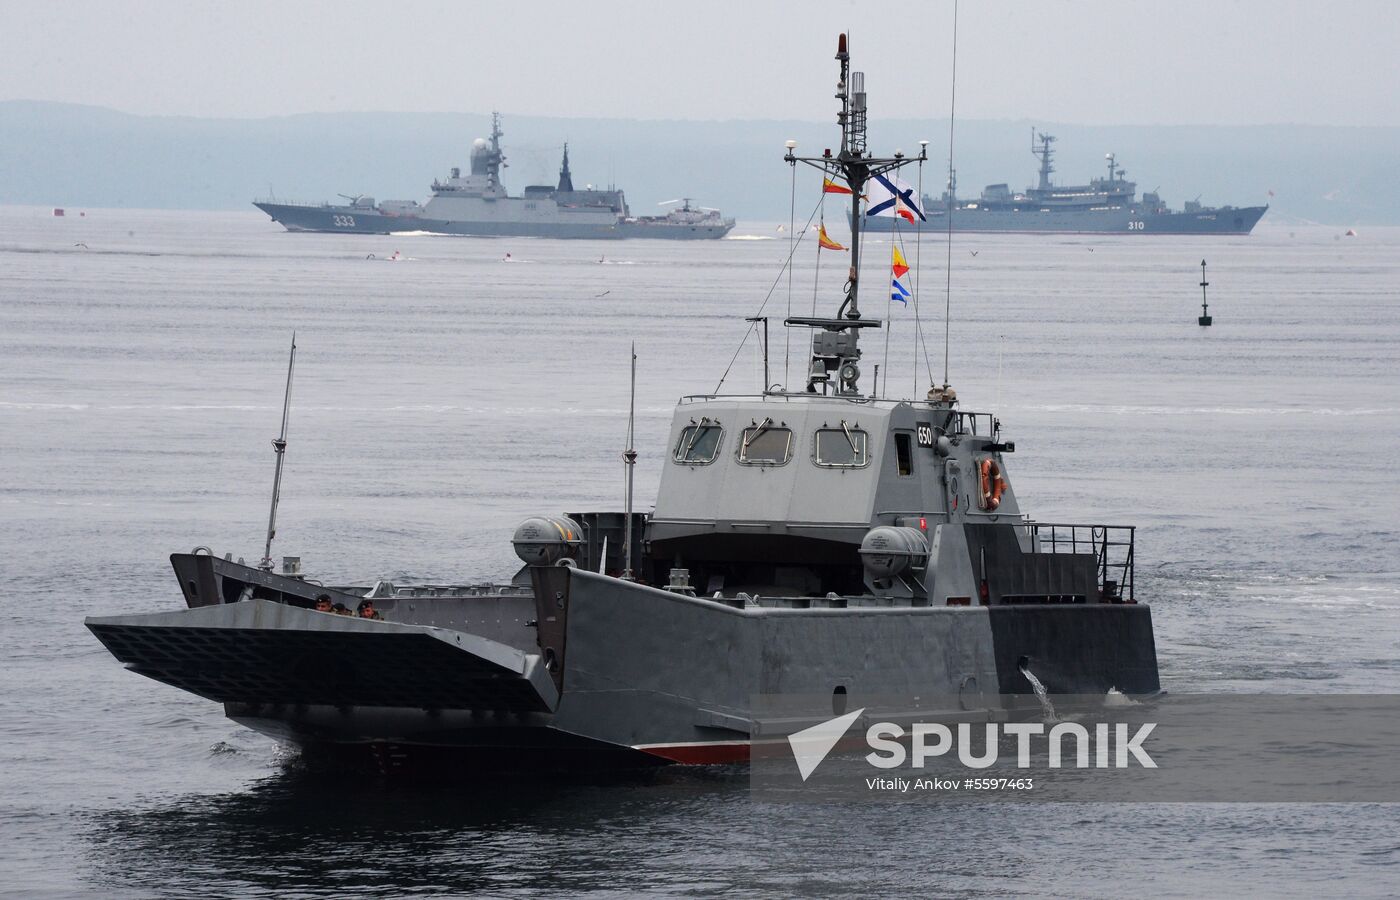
953,485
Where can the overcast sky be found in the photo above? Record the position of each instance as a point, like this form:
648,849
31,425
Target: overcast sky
1093,61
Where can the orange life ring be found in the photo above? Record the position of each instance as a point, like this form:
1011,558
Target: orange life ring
993,485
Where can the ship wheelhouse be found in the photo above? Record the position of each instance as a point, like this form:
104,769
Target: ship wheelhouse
795,500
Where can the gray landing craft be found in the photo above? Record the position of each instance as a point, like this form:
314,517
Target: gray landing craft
1106,205
478,204
826,542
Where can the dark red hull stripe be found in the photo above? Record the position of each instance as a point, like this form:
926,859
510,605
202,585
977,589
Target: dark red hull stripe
700,754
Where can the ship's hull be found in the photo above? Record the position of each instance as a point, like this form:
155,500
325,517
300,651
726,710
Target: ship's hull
1224,221
352,220
599,671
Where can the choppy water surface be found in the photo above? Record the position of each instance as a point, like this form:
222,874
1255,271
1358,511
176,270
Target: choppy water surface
441,399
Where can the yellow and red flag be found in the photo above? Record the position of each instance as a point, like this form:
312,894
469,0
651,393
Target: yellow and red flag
825,242
831,187
898,263
898,291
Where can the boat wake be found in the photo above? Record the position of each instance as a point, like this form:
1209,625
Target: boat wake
1209,410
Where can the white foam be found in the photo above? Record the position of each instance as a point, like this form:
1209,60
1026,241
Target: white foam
1116,699
1126,410
1042,695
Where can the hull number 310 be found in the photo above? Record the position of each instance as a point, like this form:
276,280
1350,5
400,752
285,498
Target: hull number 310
1136,226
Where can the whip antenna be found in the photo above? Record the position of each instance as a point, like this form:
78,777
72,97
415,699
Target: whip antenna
948,284
279,446
629,458
792,246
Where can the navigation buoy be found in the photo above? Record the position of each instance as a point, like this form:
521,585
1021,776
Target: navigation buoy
1204,318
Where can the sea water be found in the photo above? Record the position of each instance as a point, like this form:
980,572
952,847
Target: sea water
441,398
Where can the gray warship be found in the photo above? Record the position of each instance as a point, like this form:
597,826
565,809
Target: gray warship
1107,205
477,204
824,541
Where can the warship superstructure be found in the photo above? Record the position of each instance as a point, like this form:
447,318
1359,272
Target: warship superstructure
479,205
1106,205
824,541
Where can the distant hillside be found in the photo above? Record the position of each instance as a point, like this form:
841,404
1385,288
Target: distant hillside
67,155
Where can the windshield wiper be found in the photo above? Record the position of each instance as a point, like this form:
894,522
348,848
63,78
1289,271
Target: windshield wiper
752,433
850,440
694,436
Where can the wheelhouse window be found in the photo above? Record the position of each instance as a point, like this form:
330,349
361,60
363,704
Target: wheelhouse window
699,444
842,447
765,444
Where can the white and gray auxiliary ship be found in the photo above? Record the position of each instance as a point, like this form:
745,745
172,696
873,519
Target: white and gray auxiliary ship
1108,205
478,204
826,542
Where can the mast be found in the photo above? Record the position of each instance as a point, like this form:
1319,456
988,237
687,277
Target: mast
1040,146
496,160
629,459
834,350
850,90
566,180
279,446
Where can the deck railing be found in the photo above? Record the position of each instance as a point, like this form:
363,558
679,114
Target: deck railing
1111,545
